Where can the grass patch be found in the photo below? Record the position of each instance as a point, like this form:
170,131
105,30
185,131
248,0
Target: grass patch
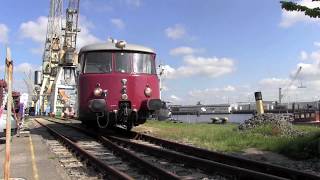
52,157
302,147
227,137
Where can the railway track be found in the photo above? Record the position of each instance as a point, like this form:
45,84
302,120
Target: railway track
120,162
222,158
189,162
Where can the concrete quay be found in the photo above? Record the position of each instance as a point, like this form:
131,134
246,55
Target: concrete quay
31,158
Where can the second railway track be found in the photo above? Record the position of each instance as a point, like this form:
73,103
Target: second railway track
153,158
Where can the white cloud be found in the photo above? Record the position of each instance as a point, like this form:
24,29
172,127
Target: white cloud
175,98
305,87
316,44
167,70
3,33
22,68
309,78
310,70
85,37
184,50
211,91
19,85
217,95
37,30
229,88
273,82
303,55
19,73
118,23
290,18
200,66
176,32
25,68
164,87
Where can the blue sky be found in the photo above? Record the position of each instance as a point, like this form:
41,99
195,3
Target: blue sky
212,51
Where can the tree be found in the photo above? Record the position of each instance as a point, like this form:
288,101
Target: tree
292,6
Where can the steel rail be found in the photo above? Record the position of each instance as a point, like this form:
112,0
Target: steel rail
231,160
96,162
159,172
227,159
204,164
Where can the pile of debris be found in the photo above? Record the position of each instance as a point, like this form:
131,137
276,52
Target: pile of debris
280,123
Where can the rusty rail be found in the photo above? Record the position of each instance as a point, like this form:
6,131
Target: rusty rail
104,167
204,164
249,168
207,165
228,159
159,172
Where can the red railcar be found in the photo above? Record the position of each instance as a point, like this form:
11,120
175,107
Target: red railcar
118,84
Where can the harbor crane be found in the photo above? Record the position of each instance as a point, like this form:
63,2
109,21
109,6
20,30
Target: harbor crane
58,84
293,79
161,70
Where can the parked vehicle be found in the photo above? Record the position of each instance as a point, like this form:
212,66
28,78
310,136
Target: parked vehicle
3,122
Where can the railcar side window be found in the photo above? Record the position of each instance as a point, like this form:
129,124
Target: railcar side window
143,63
98,62
122,61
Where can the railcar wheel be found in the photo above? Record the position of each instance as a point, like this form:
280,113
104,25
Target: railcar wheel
129,123
86,123
89,124
112,120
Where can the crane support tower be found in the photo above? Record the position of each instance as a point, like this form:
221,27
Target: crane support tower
294,77
58,85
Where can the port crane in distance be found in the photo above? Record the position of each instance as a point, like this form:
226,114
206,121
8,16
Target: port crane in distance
293,79
58,82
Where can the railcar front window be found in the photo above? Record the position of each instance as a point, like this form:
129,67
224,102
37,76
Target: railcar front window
122,62
98,62
143,63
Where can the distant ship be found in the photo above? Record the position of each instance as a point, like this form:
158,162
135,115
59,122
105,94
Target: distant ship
306,116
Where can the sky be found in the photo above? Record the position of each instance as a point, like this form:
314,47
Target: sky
211,51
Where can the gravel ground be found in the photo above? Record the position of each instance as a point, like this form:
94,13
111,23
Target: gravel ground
281,122
310,165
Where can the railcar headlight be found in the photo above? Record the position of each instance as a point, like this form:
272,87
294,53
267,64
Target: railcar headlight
124,96
124,82
148,91
97,91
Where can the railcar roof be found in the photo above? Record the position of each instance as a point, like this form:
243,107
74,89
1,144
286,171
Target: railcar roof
111,46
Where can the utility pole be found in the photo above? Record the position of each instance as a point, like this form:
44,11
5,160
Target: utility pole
9,68
280,96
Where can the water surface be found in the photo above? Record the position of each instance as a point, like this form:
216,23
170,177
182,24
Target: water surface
234,118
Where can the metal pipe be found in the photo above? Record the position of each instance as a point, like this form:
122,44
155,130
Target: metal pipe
259,103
